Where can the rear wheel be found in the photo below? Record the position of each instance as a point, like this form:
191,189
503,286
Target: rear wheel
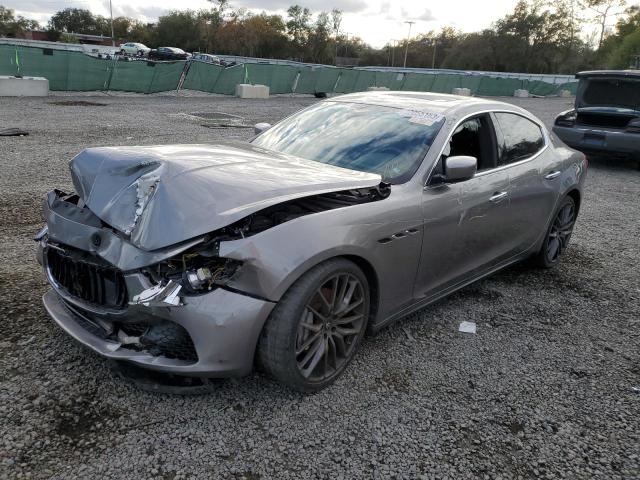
558,235
315,330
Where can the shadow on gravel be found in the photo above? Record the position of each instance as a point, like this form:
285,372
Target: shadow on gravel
78,103
605,163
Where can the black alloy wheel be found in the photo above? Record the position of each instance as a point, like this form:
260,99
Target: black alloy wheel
558,234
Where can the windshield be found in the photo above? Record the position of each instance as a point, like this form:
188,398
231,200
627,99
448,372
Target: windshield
611,93
370,138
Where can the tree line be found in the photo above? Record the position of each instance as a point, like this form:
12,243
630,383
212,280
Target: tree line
537,37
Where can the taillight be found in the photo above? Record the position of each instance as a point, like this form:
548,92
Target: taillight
633,126
567,119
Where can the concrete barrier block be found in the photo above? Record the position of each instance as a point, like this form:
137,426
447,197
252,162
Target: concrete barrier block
23,86
521,93
465,92
261,91
377,89
245,90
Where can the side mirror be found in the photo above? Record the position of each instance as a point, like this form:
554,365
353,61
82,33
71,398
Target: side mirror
460,168
258,128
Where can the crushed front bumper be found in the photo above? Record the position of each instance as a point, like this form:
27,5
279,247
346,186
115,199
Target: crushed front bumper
101,298
224,327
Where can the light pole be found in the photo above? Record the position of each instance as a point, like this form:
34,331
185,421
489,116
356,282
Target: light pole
393,52
406,50
435,46
113,40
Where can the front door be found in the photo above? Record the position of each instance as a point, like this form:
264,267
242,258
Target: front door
463,233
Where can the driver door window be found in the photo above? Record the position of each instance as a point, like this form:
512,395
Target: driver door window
474,138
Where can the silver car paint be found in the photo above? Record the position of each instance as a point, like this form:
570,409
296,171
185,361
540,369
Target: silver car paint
415,246
147,191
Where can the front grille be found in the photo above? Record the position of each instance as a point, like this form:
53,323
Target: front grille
90,282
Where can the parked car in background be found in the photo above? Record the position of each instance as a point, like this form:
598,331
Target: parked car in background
132,48
168,53
606,118
198,260
206,57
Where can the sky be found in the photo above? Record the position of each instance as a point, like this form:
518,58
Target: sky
377,22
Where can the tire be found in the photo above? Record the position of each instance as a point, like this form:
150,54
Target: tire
122,52
309,339
140,53
558,234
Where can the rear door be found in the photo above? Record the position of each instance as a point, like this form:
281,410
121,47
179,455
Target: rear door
534,172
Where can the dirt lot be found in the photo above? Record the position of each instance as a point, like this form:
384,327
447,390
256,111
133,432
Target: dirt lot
545,389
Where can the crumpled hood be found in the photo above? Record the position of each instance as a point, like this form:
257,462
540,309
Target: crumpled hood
163,195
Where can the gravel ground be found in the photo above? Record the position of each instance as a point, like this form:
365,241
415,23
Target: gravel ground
545,389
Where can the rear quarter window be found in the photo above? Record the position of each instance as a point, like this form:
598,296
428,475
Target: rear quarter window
518,138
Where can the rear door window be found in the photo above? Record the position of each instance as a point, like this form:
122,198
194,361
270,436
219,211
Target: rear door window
518,138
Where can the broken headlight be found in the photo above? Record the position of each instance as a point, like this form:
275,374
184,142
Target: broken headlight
194,272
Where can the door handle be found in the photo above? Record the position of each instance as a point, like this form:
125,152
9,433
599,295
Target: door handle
552,175
498,196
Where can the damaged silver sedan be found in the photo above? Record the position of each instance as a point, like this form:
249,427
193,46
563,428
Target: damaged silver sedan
205,260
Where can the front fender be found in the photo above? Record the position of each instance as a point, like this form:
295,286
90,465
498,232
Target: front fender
274,259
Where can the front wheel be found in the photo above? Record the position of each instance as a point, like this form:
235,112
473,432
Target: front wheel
558,234
316,328
122,52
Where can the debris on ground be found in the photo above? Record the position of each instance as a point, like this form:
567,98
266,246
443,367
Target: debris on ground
467,327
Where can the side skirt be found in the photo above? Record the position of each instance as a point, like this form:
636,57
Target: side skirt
444,293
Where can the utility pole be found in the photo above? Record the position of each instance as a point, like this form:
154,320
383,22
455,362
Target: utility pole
406,50
393,53
113,40
435,46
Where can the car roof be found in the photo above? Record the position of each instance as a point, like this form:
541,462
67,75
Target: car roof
441,103
609,73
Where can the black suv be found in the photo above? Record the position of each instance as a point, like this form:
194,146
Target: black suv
606,117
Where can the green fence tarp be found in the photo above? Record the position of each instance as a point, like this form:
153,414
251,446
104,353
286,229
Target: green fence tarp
37,62
571,86
327,79
347,80
418,82
536,87
85,73
75,71
364,80
145,77
279,78
202,76
166,76
444,83
131,76
307,80
390,80
498,87
472,82
229,78
7,60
